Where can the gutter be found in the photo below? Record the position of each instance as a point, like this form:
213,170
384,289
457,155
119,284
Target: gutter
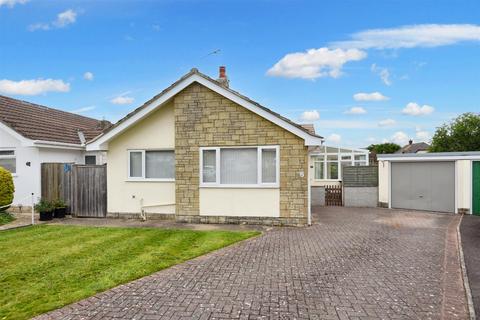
59,145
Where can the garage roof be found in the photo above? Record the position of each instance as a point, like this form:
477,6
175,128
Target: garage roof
432,156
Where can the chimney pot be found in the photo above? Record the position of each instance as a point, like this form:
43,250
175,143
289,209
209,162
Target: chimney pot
410,141
222,72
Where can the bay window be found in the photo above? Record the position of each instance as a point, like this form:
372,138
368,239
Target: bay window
156,165
8,160
239,166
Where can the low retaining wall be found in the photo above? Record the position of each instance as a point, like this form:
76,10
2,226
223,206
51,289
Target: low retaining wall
268,221
360,196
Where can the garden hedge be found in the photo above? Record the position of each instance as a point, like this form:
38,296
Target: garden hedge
6,188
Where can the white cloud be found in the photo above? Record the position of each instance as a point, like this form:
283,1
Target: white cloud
356,110
12,3
383,73
33,87
414,109
334,138
122,99
88,76
422,135
315,63
421,35
400,138
84,109
386,123
64,19
313,115
374,96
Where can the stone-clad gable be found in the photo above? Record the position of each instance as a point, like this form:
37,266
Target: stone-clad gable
204,118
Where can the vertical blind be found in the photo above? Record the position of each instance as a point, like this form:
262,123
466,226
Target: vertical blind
269,165
238,166
136,164
209,166
160,164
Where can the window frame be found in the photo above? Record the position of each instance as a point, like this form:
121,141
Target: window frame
13,156
143,178
90,155
339,154
259,184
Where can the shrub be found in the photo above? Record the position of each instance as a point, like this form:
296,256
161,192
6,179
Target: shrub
59,203
6,188
44,206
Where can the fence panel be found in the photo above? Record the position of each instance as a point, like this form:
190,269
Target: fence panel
56,182
90,191
360,176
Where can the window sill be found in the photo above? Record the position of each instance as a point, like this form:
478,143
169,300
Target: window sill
149,180
239,186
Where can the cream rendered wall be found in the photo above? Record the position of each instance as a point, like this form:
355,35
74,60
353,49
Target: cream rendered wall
157,131
464,184
240,202
383,180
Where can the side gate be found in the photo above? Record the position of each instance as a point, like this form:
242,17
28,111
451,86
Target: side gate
82,187
333,196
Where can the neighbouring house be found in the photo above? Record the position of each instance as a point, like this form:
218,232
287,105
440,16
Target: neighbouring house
32,134
443,181
411,147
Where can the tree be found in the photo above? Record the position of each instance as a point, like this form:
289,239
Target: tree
383,148
461,134
6,188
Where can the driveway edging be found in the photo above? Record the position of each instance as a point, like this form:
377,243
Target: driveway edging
466,283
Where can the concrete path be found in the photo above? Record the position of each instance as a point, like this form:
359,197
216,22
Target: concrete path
352,264
470,232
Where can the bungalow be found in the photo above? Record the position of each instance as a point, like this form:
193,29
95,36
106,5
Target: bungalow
201,152
31,134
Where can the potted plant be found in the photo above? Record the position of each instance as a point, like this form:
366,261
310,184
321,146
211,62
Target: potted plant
60,209
45,208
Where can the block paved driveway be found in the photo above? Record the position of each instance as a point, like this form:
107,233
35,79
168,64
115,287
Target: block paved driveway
352,264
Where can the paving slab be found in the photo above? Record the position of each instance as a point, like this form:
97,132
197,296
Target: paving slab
470,233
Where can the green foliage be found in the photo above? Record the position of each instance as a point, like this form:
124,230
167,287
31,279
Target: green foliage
44,206
59,203
46,267
384,148
5,218
6,188
462,134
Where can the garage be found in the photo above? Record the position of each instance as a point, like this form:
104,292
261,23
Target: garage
423,185
439,182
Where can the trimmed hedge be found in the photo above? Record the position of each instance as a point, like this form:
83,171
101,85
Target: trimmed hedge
6,188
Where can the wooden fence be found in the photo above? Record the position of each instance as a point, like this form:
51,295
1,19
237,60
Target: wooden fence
360,176
82,187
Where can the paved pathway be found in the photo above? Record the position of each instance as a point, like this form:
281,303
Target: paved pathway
352,264
470,230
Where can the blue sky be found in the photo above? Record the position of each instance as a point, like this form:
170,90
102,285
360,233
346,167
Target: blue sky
363,71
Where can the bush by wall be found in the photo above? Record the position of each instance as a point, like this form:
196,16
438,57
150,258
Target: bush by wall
6,188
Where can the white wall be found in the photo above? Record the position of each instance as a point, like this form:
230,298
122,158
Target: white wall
383,180
240,202
155,132
464,184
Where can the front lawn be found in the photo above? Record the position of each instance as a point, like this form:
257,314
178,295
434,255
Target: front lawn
46,267
5,218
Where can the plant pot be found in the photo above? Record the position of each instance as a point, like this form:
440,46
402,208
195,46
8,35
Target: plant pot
68,210
59,213
46,216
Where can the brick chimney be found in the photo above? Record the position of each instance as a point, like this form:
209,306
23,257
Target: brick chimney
222,76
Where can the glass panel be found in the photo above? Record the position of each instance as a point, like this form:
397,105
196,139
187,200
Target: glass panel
318,169
360,157
9,164
7,152
332,157
318,158
136,164
160,164
360,163
269,165
331,150
90,160
347,157
209,165
238,166
332,170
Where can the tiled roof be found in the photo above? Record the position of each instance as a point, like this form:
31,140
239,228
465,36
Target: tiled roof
195,71
414,148
38,122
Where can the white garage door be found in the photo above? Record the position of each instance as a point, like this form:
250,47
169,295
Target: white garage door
423,186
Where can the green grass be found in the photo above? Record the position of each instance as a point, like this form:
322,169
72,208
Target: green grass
46,267
5,218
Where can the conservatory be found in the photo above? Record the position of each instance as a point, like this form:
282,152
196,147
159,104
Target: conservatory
326,163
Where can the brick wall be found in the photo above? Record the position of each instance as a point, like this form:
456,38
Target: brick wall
204,118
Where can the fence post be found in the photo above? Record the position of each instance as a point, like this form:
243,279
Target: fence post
33,209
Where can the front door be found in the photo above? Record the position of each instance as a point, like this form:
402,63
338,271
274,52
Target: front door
476,187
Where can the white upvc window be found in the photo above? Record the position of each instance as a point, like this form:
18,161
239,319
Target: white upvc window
329,165
8,160
240,167
151,165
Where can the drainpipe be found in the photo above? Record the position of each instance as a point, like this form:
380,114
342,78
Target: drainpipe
309,196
